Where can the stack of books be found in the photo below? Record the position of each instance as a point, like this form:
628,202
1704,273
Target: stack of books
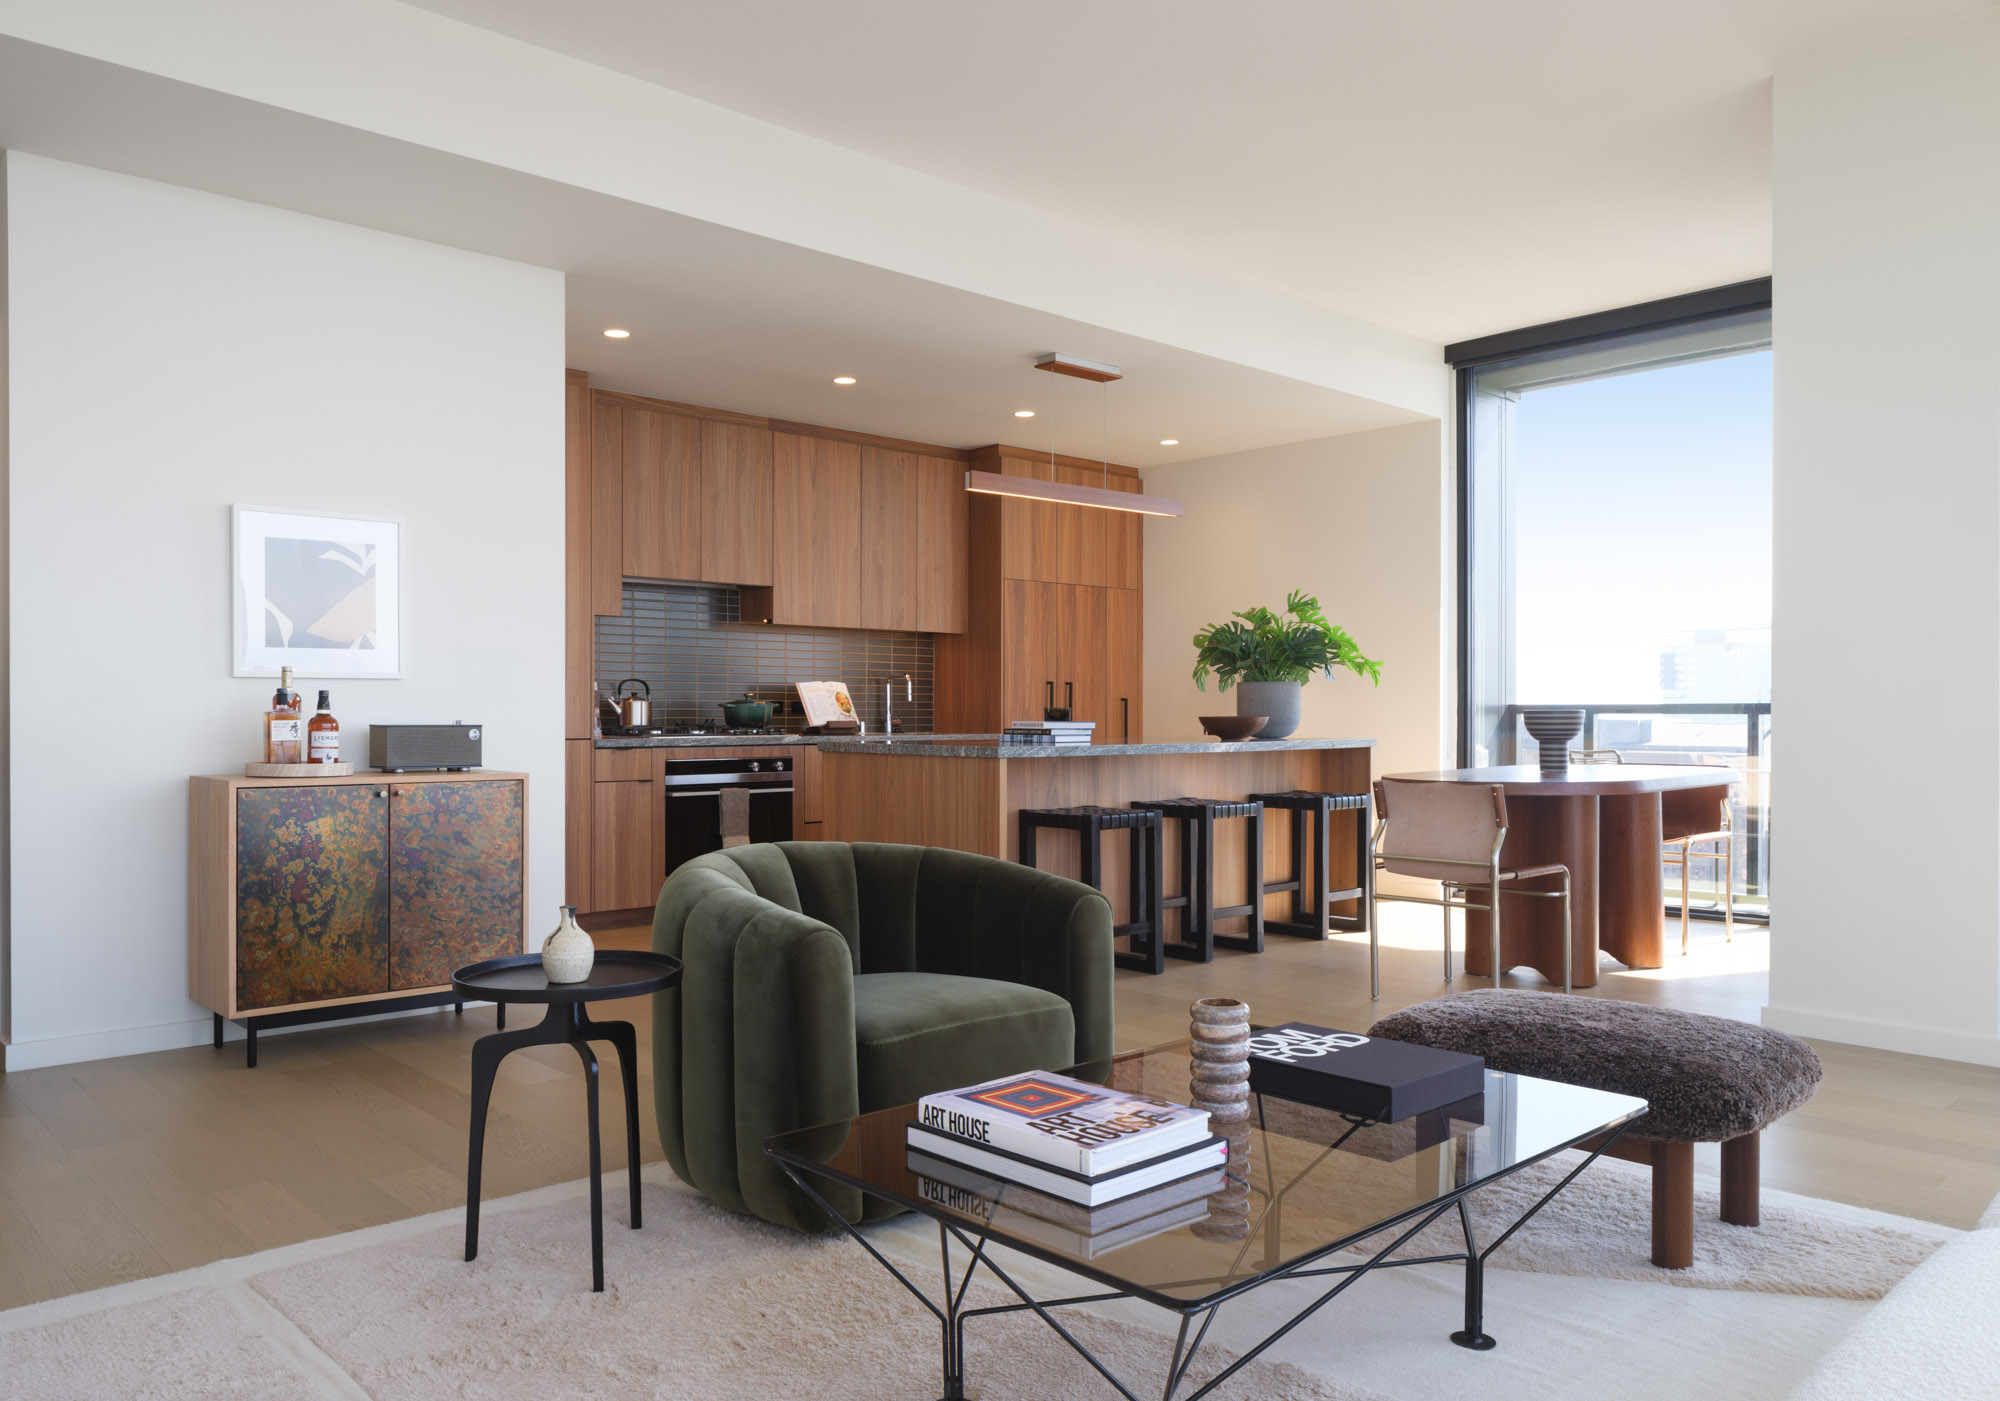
1048,732
1065,1138
1062,1225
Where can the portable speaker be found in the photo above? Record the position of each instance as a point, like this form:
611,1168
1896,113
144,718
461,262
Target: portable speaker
400,748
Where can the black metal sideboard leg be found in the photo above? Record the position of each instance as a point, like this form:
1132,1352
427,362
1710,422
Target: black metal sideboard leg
218,1031
250,1043
1474,1334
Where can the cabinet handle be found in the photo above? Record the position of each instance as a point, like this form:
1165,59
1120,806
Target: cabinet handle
381,792
1052,696
1125,717
1069,697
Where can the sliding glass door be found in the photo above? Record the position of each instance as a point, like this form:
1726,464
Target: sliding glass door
1617,557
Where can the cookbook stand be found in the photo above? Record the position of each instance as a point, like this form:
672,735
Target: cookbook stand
835,727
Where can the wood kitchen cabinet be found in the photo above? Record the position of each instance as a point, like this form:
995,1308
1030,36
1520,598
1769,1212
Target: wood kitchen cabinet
660,482
941,575
815,534
626,821
1053,597
891,558
736,504
309,892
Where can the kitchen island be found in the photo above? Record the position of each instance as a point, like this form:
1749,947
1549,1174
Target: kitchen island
968,794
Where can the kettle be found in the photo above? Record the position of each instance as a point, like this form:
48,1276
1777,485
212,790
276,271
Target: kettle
634,711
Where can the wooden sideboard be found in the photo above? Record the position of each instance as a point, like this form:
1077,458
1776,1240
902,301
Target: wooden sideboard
309,894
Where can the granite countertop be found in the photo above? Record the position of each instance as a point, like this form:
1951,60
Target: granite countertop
970,747
747,741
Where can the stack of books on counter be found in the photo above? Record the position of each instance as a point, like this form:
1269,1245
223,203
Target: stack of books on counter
1069,1139
1048,732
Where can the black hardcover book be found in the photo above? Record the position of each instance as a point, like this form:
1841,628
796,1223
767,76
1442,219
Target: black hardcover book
1361,1075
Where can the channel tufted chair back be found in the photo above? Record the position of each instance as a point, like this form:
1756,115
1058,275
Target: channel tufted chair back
826,979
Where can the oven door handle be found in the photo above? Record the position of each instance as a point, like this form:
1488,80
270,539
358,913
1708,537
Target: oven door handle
752,788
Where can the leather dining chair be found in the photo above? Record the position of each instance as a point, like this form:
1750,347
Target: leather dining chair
1452,833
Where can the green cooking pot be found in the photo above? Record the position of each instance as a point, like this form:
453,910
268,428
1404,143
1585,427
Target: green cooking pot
745,714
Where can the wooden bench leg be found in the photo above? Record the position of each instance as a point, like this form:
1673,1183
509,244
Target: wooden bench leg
1739,1179
1673,1205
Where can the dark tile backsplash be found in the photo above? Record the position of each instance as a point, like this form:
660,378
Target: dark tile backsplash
689,643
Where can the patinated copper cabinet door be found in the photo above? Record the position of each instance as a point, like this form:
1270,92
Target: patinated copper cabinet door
312,894
455,878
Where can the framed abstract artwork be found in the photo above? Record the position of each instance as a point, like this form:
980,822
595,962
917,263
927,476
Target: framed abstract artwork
321,594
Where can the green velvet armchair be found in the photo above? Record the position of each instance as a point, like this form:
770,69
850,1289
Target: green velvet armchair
824,980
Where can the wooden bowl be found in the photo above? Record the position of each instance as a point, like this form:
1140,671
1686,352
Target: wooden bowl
1233,727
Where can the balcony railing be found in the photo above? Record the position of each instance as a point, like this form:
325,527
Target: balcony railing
1735,735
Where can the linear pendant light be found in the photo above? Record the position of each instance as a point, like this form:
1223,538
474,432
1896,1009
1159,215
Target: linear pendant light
1063,493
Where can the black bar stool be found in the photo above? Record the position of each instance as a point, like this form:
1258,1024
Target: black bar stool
1199,939
1312,903
1090,823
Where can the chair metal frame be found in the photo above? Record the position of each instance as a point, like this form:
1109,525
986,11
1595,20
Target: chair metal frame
1724,838
1495,887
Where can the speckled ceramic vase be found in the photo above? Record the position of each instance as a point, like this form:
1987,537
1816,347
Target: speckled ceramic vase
1220,1077
568,954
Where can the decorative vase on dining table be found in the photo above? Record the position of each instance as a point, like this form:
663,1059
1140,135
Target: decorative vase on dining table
1277,700
1553,730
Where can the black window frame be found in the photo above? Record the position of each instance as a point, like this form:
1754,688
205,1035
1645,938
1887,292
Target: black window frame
1574,333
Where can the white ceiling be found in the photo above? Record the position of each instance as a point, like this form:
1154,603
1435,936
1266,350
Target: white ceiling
719,317
1449,168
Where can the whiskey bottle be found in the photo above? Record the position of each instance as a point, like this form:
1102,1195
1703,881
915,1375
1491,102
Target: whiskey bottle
323,735
284,741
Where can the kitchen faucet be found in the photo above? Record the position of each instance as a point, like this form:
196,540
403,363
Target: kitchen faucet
889,700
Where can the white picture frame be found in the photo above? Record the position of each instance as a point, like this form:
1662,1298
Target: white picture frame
293,602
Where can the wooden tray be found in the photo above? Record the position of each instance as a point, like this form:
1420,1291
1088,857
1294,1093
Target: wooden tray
339,770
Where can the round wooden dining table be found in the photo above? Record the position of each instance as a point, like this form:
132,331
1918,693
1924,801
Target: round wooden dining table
1607,823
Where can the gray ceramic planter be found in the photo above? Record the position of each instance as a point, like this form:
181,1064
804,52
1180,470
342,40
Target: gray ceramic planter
1277,699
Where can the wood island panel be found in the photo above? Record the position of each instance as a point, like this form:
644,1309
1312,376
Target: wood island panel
972,804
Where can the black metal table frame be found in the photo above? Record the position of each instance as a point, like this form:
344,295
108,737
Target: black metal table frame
952,1317
565,1023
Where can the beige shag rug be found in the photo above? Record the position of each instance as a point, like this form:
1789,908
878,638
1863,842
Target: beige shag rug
703,1304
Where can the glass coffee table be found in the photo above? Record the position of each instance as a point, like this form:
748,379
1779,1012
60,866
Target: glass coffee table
1304,1184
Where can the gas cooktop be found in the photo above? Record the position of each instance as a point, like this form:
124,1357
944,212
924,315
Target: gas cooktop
691,730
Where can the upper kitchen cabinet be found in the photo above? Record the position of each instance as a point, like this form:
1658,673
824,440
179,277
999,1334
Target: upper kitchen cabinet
941,545
815,532
1060,543
660,470
736,498
891,516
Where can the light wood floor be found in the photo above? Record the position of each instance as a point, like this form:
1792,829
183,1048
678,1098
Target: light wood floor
120,1169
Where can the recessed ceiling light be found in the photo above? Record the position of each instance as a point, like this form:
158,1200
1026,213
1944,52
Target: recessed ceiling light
1170,442
843,379
617,334
1024,413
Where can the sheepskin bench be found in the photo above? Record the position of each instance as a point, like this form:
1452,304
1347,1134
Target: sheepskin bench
1706,1080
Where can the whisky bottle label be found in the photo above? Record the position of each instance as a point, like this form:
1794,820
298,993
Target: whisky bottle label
325,746
285,732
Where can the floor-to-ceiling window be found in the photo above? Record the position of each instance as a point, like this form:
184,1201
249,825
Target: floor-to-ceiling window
1616,552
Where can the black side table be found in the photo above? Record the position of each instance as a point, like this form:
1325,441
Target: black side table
616,973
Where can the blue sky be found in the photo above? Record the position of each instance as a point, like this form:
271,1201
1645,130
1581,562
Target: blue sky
1642,509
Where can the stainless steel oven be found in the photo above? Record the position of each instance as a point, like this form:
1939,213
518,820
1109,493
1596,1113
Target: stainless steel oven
694,802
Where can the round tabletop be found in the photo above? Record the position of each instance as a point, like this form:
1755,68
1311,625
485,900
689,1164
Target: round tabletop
615,973
1582,780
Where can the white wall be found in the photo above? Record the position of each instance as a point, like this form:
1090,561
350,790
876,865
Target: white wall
1886,550
1362,522
172,353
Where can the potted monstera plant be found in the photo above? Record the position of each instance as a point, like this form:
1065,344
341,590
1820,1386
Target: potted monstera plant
1267,656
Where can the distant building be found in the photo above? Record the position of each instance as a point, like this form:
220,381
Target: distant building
1717,664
